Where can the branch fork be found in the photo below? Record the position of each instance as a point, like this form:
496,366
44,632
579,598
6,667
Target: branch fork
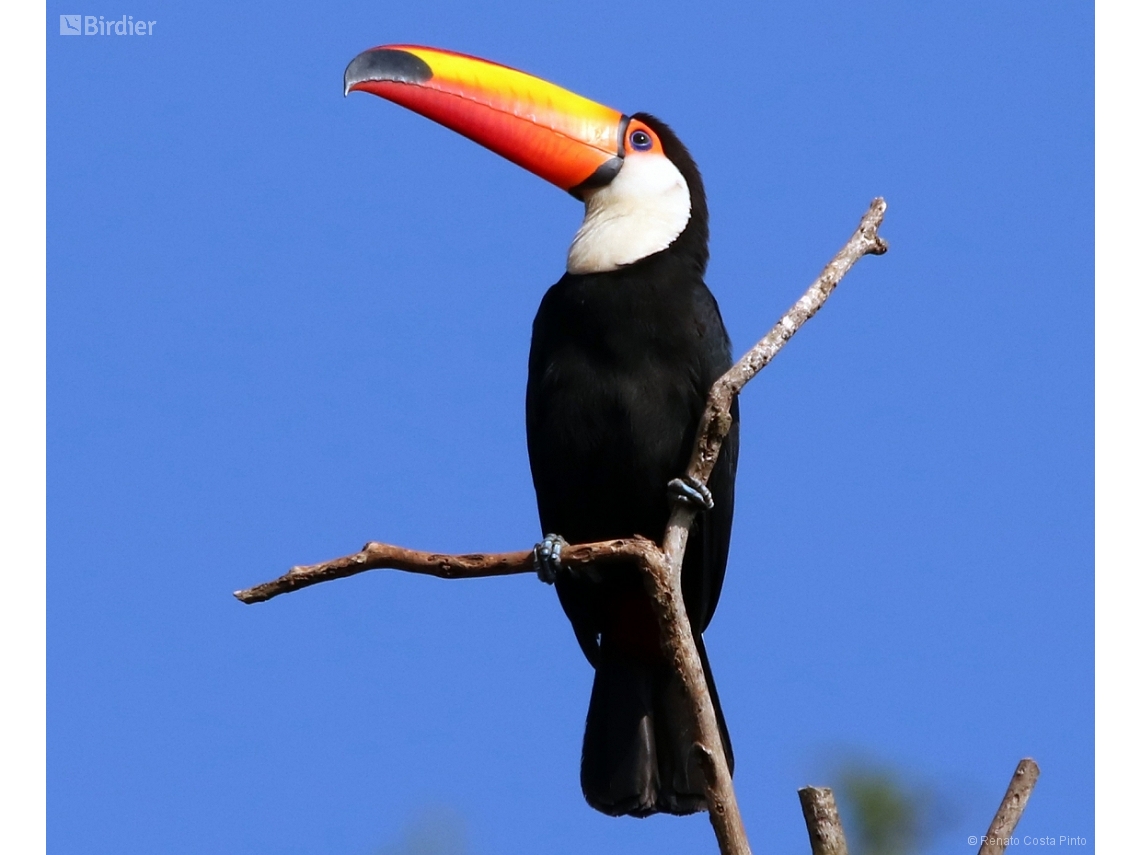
661,564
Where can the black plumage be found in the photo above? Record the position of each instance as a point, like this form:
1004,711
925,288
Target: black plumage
620,366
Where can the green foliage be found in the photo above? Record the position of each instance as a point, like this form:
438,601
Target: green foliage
885,812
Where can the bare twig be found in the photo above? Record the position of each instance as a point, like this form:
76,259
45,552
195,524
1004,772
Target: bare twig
1012,806
822,818
717,419
384,556
662,565
665,585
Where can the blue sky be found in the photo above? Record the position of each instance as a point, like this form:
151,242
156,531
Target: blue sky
282,323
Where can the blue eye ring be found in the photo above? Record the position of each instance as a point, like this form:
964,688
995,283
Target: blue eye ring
640,140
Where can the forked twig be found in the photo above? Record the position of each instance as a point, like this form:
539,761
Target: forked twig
662,565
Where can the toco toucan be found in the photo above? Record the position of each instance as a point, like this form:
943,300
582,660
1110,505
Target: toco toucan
624,350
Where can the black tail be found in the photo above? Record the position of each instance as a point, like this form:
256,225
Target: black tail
637,756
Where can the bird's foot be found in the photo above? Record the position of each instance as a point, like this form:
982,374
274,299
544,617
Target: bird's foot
548,557
690,492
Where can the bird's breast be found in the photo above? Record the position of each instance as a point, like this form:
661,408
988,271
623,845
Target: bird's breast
613,399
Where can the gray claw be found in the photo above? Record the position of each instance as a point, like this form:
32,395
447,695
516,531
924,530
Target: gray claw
548,558
690,492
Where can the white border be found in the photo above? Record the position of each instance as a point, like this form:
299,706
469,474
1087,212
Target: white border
1117,421
23,246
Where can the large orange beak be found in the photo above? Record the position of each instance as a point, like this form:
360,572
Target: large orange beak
568,140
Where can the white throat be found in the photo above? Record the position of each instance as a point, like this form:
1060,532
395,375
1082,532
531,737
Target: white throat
640,212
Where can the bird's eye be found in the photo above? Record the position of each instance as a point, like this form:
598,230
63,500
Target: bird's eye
641,141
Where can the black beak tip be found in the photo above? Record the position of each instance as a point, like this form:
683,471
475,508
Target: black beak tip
386,64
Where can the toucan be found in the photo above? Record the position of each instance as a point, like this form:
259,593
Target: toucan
624,349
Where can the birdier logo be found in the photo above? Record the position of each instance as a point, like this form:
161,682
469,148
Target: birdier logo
97,25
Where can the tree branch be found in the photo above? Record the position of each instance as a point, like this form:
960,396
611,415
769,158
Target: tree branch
664,583
662,566
822,818
1011,808
477,565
